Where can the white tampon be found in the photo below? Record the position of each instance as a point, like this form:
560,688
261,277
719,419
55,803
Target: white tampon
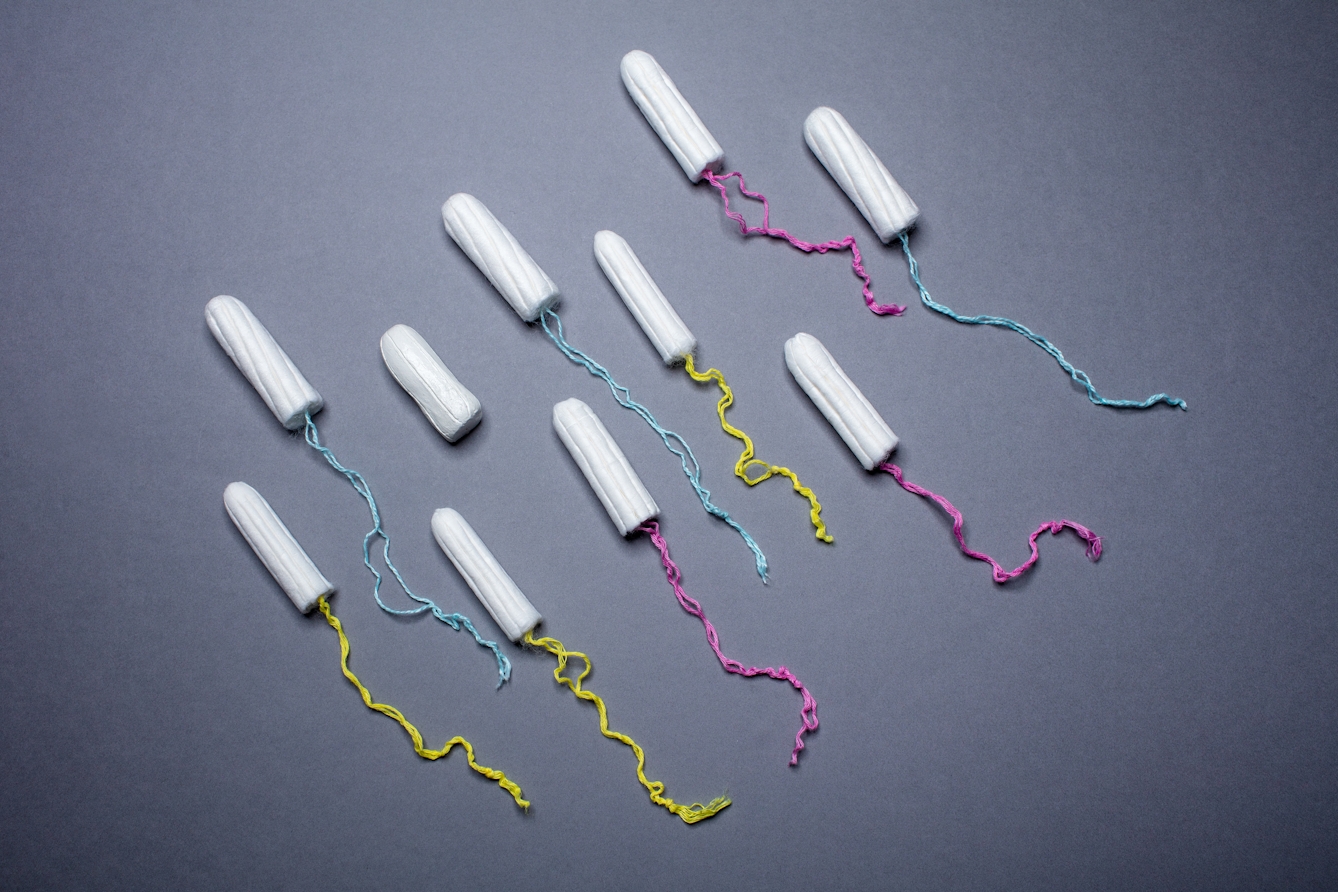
647,303
604,465
289,396
836,396
490,583
499,256
859,173
447,403
275,546
669,113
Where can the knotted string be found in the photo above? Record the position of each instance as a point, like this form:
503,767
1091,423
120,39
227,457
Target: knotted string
1000,574
414,735
624,397
454,620
690,814
856,262
1076,374
808,715
747,462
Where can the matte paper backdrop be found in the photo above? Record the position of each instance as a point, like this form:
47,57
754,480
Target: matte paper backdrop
1151,186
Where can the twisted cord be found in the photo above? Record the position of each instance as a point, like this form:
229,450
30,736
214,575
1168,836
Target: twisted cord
454,620
1000,575
747,462
1076,374
808,714
624,397
856,262
690,814
432,755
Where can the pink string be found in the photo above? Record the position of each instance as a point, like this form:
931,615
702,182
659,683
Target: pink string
808,716
856,262
1000,575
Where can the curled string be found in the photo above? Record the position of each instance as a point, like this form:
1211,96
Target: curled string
747,463
808,714
1076,374
690,814
454,620
1000,574
432,755
624,397
856,261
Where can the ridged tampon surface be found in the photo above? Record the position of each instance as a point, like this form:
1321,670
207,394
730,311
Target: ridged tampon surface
499,256
260,358
648,304
447,403
668,112
508,605
859,173
837,398
275,546
606,468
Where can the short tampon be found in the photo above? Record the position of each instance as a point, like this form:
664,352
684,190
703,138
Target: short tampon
668,112
275,546
260,358
508,605
837,398
859,173
648,304
606,468
499,256
447,403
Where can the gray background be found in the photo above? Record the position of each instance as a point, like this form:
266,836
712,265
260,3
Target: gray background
1151,185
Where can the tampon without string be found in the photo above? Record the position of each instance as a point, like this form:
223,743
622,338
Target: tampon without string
504,600
652,310
605,467
684,134
859,173
498,255
260,358
295,573
839,400
453,410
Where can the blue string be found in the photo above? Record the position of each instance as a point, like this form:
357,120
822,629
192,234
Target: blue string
624,397
454,620
1076,374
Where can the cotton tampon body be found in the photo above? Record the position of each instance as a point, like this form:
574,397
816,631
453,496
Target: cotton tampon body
295,573
260,358
684,134
453,410
859,173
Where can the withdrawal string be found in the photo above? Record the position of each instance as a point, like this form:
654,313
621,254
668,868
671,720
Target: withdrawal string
1000,574
454,620
808,714
690,814
747,463
415,736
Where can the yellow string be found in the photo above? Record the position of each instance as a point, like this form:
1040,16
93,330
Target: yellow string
747,462
490,773
690,814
